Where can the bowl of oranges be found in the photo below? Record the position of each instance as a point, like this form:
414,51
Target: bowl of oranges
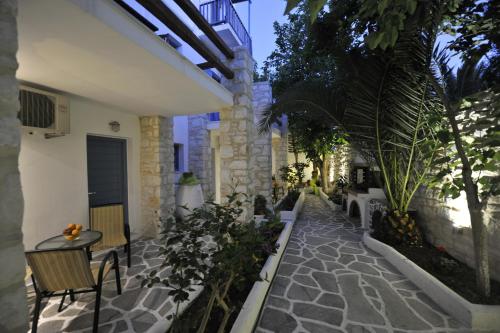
72,232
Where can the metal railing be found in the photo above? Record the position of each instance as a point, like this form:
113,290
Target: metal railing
222,11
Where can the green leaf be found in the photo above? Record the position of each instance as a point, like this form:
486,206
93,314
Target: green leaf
290,5
374,39
411,6
314,8
393,36
382,5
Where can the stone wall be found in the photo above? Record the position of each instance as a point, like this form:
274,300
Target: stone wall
262,99
13,309
157,172
280,147
447,223
200,153
237,132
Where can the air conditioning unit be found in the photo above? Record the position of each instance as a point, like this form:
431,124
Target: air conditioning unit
44,111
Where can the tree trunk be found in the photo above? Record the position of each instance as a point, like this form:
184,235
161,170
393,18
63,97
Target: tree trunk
208,311
324,174
479,232
480,241
477,216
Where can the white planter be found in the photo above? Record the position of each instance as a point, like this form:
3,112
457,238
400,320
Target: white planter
249,313
326,199
477,317
190,196
291,215
362,199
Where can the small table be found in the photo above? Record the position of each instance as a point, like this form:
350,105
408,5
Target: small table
86,239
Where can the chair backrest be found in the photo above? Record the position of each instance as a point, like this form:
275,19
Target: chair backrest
108,220
56,270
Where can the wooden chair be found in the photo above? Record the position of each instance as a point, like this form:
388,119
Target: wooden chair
109,220
59,272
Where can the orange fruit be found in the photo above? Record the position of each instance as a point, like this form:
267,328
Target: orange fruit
75,232
69,237
79,227
71,226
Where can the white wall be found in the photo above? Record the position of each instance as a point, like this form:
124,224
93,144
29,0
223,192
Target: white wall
54,171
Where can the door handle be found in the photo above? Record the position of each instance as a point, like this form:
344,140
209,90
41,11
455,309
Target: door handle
92,193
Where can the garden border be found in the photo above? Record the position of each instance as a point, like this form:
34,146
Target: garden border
291,215
249,313
480,318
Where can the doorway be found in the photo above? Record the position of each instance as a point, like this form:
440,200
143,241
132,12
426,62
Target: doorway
107,172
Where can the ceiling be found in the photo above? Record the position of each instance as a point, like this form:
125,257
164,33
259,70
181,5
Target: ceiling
94,49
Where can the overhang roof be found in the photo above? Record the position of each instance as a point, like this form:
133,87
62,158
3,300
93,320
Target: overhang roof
95,49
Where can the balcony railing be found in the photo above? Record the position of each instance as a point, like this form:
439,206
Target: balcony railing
221,12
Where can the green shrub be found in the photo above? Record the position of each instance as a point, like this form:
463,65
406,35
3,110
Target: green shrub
188,178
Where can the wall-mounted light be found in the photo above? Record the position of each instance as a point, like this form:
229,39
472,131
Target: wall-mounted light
115,126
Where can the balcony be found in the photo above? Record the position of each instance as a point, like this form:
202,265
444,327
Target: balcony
220,12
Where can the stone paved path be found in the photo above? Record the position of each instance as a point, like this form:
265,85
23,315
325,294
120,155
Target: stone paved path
329,282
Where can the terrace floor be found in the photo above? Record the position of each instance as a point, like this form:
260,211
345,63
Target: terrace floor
135,310
329,282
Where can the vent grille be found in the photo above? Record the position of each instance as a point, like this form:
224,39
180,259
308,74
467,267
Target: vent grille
37,110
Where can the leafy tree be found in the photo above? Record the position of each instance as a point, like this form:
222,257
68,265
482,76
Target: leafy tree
295,59
472,143
477,26
308,130
211,249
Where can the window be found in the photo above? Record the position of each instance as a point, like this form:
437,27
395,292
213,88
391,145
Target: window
214,116
178,157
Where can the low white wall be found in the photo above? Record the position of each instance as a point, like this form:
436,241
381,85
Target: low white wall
249,313
481,318
54,171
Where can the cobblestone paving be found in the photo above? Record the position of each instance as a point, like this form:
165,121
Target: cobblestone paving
135,310
329,282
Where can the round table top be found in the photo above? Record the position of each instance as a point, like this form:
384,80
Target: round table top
86,239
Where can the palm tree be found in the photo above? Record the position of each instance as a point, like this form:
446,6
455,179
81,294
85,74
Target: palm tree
386,105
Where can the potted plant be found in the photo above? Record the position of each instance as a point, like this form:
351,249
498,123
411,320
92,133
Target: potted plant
189,194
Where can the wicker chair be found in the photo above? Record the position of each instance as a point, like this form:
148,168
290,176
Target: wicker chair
61,272
109,220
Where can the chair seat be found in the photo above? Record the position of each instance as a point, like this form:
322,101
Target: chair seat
110,240
94,267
